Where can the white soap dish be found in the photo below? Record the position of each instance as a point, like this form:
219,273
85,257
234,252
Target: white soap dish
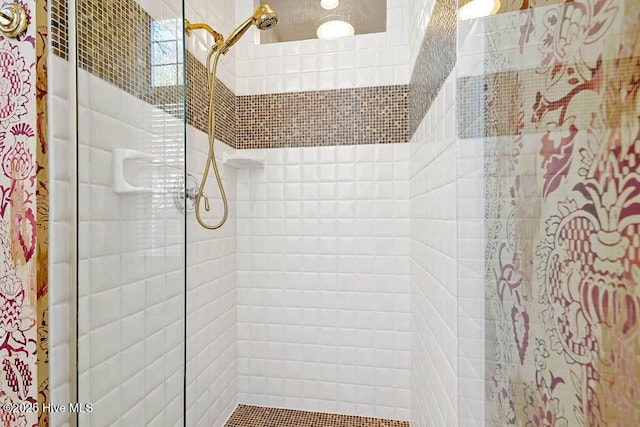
241,161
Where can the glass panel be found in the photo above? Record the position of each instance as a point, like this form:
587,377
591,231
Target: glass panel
163,53
166,53
548,155
164,75
131,230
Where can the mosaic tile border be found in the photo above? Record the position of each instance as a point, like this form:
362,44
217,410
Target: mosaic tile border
198,103
59,28
480,113
314,118
335,117
329,117
371,115
435,61
261,416
470,101
115,56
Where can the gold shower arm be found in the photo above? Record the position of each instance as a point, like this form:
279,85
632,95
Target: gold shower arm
189,28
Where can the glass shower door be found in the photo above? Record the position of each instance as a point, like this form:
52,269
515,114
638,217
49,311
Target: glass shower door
548,162
131,223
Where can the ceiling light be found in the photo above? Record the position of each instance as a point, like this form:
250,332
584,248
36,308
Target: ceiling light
478,9
333,29
329,4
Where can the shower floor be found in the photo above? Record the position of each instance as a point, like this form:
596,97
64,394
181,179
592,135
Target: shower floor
258,416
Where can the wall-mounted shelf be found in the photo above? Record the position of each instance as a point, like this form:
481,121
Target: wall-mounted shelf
242,161
120,183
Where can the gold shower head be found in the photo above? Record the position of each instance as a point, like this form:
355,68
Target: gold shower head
264,18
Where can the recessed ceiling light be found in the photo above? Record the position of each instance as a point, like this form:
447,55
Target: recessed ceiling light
478,9
329,4
333,29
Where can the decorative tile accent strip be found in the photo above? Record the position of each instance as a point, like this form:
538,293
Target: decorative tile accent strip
60,28
371,115
258,416
503,116
470,113
198,103
482,110
114,43
436,59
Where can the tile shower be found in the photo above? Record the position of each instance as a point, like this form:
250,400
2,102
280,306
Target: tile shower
415,247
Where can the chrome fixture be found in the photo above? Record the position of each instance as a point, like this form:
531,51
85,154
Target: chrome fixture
186,193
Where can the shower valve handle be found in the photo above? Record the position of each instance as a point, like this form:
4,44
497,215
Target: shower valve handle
192,194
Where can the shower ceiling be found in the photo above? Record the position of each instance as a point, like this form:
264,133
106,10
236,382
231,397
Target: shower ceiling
299,19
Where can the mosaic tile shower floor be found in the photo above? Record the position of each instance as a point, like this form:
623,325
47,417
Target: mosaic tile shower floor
258,416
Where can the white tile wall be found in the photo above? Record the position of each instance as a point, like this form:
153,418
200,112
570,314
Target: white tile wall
471,238
136,302
471,41
358,61
349,293
61,238
211,296
418,15
131,263
211,255
363,60
220,15
126,312
323,280
434,294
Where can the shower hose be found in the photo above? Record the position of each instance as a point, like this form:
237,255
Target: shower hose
211,156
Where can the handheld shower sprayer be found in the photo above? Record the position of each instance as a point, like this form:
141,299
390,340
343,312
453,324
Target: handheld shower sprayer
264,18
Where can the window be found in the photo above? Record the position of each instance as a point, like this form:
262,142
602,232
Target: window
166,54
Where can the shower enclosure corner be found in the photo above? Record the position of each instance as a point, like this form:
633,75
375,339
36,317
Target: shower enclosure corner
131,294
